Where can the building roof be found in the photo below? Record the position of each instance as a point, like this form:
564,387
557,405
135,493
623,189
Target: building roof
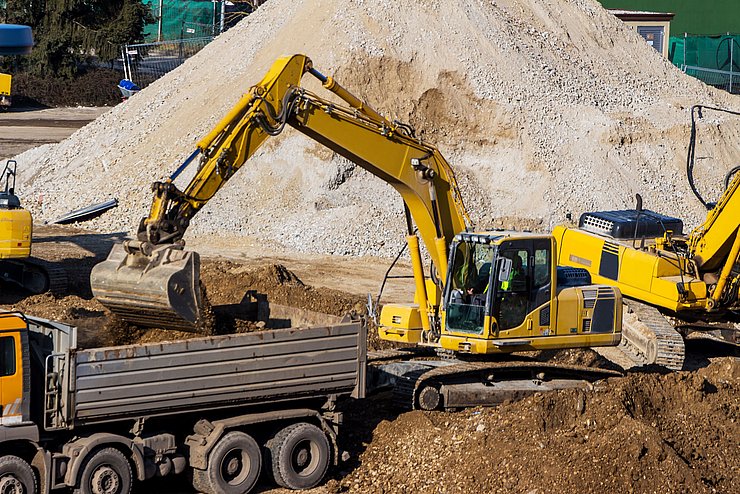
642,15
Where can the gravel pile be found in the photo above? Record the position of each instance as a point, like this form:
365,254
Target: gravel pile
544,107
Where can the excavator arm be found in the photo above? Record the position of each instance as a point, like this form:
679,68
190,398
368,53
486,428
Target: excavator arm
153,281
715,245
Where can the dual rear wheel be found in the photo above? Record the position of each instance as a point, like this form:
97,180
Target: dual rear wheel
297,458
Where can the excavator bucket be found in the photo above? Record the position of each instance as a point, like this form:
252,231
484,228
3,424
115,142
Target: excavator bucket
160,290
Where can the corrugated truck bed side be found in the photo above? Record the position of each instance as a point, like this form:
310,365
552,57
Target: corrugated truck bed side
215,372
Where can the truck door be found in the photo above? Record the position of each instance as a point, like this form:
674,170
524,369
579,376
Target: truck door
11,378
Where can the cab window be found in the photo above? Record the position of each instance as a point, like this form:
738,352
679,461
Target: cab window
471,275
513,290
541,267
7,356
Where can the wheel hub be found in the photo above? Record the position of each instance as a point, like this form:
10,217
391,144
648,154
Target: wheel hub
301,458
105,480
10,485
233,466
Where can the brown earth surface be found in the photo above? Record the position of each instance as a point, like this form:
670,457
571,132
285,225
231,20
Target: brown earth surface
647,432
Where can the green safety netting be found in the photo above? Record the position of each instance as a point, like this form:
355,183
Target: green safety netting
715,60
720,52
182,19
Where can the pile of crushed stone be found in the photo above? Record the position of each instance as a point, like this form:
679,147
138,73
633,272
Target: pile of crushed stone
671,433
554,98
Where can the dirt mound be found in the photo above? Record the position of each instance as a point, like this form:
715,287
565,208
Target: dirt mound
643,433
557,98
234,296
230,283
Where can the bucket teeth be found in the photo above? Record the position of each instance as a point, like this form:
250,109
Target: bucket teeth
160,290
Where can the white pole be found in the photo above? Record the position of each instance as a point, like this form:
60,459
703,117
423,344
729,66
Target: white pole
223,14
159,26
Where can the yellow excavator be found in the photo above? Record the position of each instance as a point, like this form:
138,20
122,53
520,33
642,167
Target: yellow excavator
5,98
486,292
17,266
670,281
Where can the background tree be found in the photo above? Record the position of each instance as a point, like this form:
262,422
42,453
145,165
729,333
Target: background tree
71,32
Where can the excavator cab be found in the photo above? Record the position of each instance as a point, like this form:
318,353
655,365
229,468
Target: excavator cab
504,293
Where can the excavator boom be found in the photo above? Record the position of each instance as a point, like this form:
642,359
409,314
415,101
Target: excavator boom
153,281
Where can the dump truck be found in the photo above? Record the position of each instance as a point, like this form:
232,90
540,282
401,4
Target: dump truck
223,408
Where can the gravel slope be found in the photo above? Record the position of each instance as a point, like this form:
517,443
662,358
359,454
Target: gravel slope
544,107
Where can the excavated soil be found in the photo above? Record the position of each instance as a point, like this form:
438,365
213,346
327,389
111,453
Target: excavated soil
232,297
646,433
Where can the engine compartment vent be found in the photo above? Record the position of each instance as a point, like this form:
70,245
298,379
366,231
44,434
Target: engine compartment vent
630,223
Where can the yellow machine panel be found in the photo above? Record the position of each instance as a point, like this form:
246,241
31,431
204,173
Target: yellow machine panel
400,323
648,275
16,228
5,81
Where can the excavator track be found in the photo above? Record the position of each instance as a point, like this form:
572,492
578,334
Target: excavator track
36,275
648,338
457,384
58,281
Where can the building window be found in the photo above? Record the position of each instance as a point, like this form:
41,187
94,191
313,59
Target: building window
653,35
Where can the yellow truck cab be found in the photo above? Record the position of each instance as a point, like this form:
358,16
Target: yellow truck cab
14,385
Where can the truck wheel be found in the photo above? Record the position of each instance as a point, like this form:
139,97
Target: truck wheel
106,472
300,456
234,466
16,476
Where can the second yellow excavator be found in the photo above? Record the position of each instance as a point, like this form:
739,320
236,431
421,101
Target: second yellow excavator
673,283
501,291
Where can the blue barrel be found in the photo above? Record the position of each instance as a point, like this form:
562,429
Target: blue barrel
15,39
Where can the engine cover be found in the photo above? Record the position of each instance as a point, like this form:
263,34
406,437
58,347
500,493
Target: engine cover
629,223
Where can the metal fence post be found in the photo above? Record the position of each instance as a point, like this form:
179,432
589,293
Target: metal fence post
732,59
159,24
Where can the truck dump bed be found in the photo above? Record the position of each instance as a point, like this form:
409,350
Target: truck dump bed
108,384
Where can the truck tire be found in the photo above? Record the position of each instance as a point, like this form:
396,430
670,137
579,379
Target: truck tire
300,456
234,466
105,472
16,476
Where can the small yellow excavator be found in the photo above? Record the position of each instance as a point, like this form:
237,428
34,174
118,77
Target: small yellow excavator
671,281
16,229
503,291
